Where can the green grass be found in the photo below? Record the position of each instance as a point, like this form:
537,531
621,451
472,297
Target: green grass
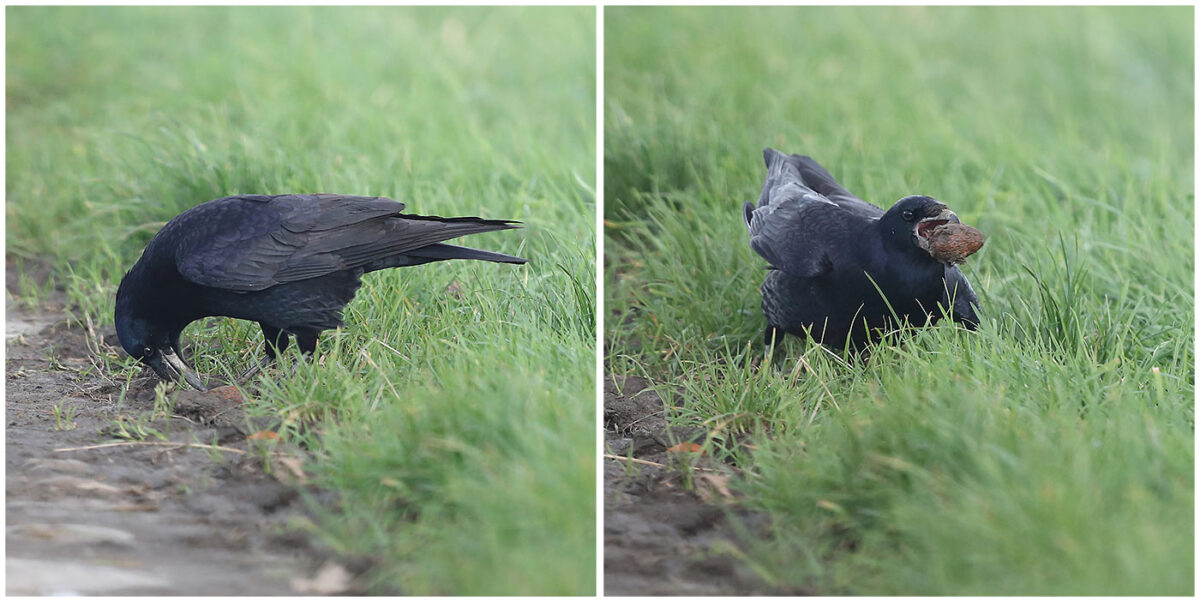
1051,452
454,414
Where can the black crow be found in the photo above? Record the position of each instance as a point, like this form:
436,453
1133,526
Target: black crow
289,262
831,255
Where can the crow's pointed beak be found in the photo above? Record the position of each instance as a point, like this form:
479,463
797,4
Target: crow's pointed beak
171,367
946,215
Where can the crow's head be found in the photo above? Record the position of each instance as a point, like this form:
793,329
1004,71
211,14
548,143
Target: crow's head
911,221
147,340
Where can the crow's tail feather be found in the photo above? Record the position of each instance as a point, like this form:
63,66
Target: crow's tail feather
807,172
781,166
818,178
779,171
803,169
463,226
441,251
438,252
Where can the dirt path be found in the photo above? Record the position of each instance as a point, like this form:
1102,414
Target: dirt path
659,537
131,518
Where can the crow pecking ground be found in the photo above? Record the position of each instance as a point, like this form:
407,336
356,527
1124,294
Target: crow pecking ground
288,262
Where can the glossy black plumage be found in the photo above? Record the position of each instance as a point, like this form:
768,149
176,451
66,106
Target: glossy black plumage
831,254
288,262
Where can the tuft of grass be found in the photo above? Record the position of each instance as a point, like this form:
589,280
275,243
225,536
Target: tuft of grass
1050,452
64,416
453,415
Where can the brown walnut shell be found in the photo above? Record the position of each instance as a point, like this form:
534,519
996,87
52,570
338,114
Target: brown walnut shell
952,243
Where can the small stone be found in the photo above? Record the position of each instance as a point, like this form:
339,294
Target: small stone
331,579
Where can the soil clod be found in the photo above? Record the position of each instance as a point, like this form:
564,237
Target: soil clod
952,243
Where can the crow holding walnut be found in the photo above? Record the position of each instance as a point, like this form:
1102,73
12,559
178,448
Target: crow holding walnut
841,270
289,262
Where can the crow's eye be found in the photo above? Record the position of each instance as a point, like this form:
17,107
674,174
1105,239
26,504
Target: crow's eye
907,215
147,351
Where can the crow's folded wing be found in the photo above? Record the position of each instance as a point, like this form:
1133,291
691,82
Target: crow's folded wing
797,230
960,298
251,243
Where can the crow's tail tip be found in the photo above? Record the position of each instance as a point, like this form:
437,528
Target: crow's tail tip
500,224
770,156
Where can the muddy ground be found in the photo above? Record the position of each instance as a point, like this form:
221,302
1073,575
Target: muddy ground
206,511
662,537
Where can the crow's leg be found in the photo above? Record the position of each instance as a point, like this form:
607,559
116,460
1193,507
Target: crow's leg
773,336
306,340
276,341
773,341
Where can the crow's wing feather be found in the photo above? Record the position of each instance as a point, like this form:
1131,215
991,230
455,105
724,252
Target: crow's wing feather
960,298
254,243
367,241
796,226
797,230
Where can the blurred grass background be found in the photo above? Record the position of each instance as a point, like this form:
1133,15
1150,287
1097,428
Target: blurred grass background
1049,453
455,411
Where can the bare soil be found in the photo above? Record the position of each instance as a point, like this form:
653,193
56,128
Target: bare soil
660,536
200,511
